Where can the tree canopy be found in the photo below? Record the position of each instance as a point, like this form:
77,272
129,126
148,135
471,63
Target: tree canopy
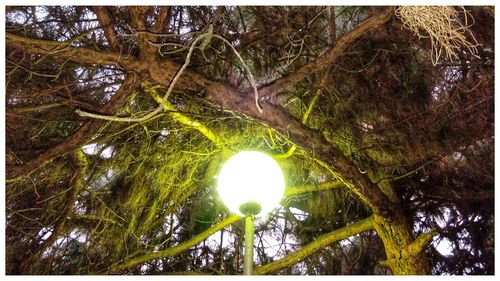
118,120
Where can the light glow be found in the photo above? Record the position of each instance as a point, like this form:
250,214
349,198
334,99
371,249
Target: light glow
251,176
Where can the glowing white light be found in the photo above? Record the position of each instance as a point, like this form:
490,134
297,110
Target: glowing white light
251,176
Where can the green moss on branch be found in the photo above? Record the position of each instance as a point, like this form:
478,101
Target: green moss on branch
320,243
116,268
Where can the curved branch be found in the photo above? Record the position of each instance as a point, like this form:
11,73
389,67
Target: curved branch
310,140
320,243
183,119
174,250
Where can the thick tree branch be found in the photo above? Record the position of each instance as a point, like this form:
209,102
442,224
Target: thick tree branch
417,246
320,243
80,137
174,250
331,55
105,20
296,190
403,256
64,50
169,90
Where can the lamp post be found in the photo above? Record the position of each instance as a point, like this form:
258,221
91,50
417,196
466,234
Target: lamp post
250,183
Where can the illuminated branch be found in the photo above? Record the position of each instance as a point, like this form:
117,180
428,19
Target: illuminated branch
311,141
94,218
310,107
418,245
287,154
412,253
296,190
318,244
174,250
183,119
404,254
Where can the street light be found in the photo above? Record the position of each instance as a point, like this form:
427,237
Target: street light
250,183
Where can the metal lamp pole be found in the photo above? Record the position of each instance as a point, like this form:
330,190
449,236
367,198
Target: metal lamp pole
249,236
249,209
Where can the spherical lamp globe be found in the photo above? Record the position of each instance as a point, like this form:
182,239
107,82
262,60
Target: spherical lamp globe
251,183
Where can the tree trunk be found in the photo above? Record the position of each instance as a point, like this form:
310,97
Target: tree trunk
405,255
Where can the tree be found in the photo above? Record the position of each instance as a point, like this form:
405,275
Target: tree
118,119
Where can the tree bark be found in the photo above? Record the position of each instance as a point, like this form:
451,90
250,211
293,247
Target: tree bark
405,255
105,20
